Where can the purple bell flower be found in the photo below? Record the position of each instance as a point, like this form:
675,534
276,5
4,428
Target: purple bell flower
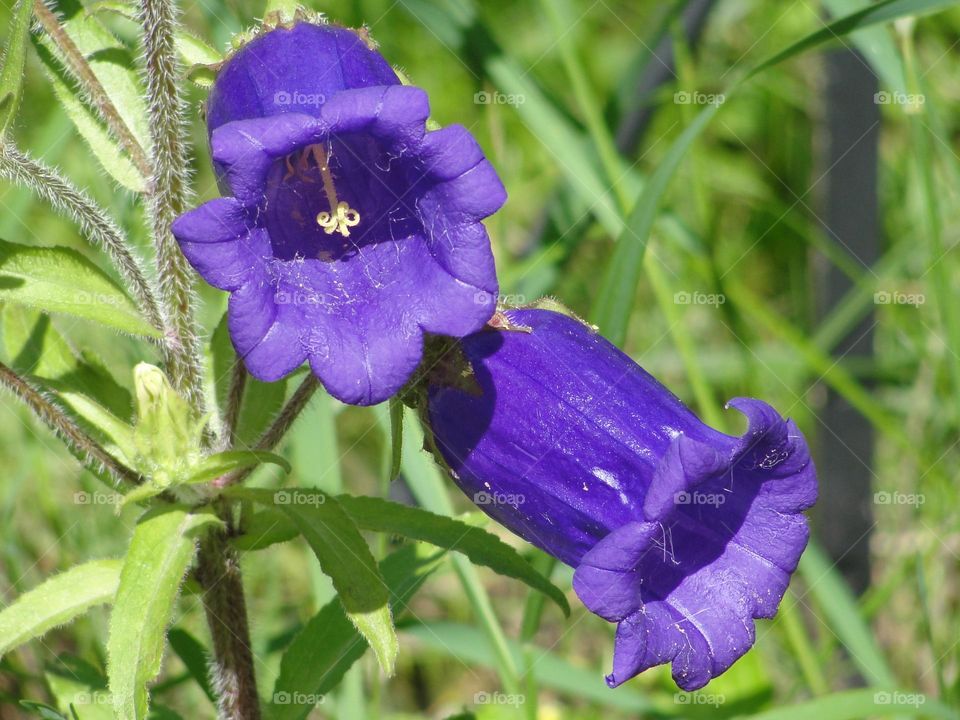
347,230
679,533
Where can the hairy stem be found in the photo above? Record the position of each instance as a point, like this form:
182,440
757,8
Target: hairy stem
91,86
90,452
232,669
238,383
278,428
168,199
95,224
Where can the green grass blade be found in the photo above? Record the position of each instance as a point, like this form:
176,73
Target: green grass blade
840,610
614,301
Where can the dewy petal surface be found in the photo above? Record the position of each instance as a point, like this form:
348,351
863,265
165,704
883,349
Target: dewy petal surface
308,122
681,534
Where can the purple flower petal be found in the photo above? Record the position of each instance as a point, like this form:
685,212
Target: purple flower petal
351,230
681,534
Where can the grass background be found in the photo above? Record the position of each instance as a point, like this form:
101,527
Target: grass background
740,218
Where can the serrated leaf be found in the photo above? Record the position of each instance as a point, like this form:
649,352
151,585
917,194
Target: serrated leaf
483,548
328,645
160,552
11,76
344,557
214,466
57,601
61,280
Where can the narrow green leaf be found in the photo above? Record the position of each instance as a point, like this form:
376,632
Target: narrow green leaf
214,466
614,302
551,670
194,655
876,13
482,547
11,75
396,437
118,433
57,601
858,704
328,645
839,607
344,556
41,710
61,280
160,551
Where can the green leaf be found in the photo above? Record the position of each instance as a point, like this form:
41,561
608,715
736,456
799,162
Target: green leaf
858,704
344,557
160,551
328,645
265,528
61,280
840,610
483,548
614,303
213,466
90,127
194,655
57,601
550,670
112,62
37,350
41,710
873,14
396,437
11,75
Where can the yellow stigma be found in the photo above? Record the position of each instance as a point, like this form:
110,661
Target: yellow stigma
341,217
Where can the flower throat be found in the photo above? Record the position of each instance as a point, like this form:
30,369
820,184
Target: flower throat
341,216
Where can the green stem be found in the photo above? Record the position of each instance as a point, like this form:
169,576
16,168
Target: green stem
532,613
169,176
91,453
